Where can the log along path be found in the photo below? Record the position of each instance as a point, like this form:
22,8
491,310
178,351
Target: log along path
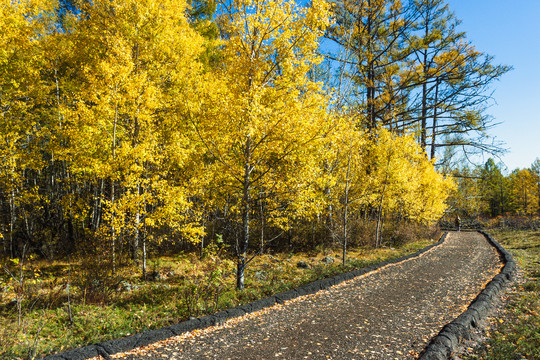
391,313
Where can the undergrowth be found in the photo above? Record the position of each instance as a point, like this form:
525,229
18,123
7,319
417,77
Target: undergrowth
60,307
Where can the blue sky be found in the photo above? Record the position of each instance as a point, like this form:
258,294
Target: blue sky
510,31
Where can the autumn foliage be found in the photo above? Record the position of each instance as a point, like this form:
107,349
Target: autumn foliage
485,191
130,126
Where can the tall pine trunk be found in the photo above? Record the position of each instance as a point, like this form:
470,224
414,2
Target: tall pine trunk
434,128
370,88
425,70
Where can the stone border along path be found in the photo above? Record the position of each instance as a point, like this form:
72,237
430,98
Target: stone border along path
439,348
450,337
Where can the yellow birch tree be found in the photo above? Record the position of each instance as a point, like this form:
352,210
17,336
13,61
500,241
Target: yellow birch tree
406,181
262,124
137,61
22,25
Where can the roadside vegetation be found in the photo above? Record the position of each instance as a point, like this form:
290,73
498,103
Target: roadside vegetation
516,334
50,306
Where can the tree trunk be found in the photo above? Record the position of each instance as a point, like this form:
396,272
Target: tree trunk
424,107
370,100
136,238
346,210
144,253
113,230
425,71
368,71
262,222
433,134
240,268
96,213
12,219
202,247
423,118
246,208
244,242
379,223
379,216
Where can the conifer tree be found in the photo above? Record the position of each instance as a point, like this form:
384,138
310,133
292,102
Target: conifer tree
494,189
524,192
371,34
449,82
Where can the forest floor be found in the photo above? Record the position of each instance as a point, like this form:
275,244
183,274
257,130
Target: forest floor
67,304
513,330
391,313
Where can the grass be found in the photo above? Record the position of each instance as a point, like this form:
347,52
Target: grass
516,334
103,308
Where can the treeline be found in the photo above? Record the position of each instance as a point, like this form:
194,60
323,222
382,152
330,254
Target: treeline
485,191
129,125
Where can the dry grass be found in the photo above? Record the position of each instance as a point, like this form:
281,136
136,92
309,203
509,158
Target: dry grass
100,309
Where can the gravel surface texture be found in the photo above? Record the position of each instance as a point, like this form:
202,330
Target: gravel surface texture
446,345
391,313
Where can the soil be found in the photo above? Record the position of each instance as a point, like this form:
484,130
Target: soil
391,313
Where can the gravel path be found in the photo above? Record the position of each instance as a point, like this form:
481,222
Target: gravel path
388,314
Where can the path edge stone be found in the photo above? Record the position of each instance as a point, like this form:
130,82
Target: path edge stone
111,347
445,344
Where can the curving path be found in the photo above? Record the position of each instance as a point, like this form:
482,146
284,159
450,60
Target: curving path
391,313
